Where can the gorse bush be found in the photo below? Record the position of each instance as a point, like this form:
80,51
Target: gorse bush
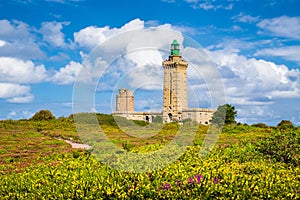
260,125
285,124
43,115
248,162
282,147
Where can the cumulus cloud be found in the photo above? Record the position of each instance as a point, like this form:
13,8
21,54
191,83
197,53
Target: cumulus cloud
25,99
15,93
2,43
67,74
15,70
14,73
133,46
17,40
256,77
92,36
283,26
253,82
52,33
259,89
288,52
23,114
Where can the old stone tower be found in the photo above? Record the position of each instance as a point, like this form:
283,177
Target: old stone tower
175,85
125,101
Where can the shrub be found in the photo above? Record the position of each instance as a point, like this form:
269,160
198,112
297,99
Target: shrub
260,125
285,124
43,115
141,123
282,147
158,119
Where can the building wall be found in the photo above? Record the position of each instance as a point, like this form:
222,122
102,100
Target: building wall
199,115
145,116
175,88
125,101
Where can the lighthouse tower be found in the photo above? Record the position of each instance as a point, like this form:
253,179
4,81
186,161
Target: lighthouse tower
175,85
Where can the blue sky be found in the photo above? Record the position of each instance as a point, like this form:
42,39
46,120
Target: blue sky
255,46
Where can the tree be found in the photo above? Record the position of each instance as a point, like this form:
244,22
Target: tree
43,115
158,119
225,114
285,124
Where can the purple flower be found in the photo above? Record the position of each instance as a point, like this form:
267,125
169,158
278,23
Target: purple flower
198,177
167,186
216,180
191,181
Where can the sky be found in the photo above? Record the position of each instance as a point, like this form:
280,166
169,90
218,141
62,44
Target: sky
254,46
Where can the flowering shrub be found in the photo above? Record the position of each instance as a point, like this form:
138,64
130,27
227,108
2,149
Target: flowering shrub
237,171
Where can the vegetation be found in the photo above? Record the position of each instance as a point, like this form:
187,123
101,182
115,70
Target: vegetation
248,162
43,115
225,114
158,119
285,124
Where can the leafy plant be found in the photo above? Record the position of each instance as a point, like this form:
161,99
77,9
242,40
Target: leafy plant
225,114
285,124
43,115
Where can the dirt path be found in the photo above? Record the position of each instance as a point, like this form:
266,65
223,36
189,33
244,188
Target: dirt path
76,145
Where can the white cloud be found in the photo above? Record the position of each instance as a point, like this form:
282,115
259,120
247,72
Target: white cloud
256,78
289,53
52,33
15,93
136,46
245,18
209,5
253,85
67,74
9,90
17,40
2,43
25,99
14,70
24,114
283,26
92,36
14,30
169,1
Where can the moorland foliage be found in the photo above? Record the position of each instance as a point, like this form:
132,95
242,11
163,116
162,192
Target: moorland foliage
248,162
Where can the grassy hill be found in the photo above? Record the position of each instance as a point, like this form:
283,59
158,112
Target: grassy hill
248,162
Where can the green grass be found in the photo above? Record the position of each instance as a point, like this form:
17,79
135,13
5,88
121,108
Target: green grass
248,162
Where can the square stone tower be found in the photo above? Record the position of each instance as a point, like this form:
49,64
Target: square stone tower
125,101
175,85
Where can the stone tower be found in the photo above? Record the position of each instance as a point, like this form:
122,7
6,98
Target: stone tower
175,86
125,101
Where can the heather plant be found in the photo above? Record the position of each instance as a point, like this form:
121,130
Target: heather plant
248,162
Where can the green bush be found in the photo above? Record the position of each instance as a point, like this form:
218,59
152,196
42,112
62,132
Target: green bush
158,119
285,124
282,147
43,115
260,125
141,123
